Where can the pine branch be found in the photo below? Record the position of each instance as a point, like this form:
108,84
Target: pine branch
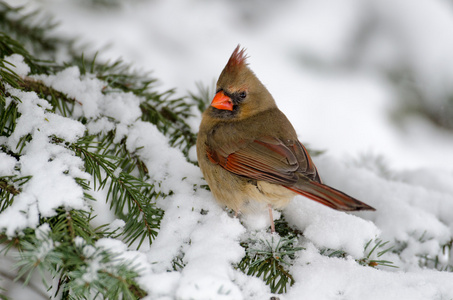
130,197
10,186
269,259
11,277
60,102
10,46
379,244
21,25
370,252
68,249
434,262
203,96
83,268
8,116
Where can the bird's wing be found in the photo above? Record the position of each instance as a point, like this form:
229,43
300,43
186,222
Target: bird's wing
268,159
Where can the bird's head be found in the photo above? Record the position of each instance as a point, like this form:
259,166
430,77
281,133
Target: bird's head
239,93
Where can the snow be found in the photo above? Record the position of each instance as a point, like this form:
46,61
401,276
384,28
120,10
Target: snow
405,173
8,164
207,273
93,103
51,165
17,65
323,230
322,277
42,234
117,224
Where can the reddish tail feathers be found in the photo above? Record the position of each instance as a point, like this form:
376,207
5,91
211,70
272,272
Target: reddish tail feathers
329,196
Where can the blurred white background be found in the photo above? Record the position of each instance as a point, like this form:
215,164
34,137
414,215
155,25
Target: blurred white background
358,78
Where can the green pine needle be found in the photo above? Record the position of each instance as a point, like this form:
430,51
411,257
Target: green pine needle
378,249
269,260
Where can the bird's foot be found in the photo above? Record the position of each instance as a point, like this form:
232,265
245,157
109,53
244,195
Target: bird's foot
271,218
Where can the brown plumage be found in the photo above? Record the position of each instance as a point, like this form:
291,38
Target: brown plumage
249,152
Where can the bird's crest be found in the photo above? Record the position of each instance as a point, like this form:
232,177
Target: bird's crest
237,59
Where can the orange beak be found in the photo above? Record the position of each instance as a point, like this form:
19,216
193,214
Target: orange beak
222,101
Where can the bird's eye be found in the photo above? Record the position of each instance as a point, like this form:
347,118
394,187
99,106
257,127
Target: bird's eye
242,95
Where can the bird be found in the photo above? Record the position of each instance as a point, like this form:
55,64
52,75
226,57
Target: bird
250,154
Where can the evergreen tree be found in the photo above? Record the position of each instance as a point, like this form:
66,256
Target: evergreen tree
61,242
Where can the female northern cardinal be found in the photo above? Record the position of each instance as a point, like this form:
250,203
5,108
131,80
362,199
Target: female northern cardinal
248,150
